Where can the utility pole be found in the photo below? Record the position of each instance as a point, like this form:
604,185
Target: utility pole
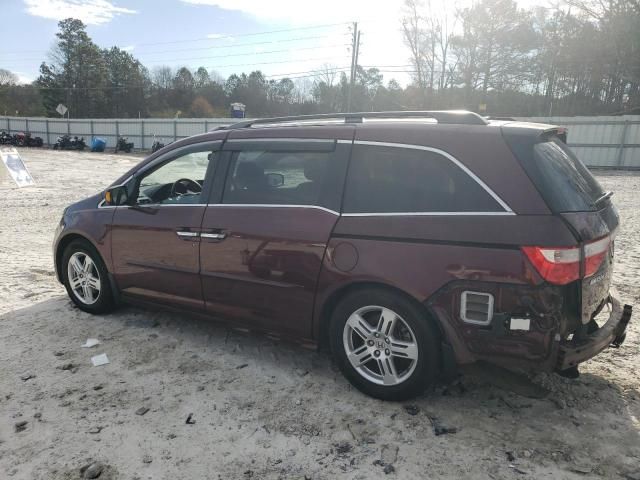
355,47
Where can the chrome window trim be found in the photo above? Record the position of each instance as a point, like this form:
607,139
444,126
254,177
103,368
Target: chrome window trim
426,214
449,157
274,205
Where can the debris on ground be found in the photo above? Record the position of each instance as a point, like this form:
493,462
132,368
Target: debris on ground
147,459
440,429
517,469
244,365
343,447
94,430
142,410
190,420
21,426
412,409
91,342
387,468
100,360
92,470
66,366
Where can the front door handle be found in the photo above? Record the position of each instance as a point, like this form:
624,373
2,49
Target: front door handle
187,234
214,236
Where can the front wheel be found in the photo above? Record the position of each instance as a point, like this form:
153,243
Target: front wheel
384,344
86,278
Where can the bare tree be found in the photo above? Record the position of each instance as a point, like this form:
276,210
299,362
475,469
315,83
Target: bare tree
7,77
162,77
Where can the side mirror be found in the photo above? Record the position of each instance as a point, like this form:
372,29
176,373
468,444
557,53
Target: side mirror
275,180
116,196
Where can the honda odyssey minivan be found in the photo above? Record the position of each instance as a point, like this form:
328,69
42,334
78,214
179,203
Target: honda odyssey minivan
409,242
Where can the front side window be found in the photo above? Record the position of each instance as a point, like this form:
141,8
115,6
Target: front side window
404,180
276,178
179,181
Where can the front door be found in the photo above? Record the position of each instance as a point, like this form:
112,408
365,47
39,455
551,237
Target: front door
155,240
262,246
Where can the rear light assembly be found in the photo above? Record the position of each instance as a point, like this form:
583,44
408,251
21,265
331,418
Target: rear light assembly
561,265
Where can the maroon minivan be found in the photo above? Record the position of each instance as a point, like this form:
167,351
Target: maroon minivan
410,242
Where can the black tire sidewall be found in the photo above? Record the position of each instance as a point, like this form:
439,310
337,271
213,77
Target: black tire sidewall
105,301
427,338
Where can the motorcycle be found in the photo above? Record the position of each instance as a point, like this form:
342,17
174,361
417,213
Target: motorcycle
157,145
6,138
65,142
123,145
22,139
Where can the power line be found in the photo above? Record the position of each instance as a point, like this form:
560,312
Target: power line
232,55
212,47
320,71
222,37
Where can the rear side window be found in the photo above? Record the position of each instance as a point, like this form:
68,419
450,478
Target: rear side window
276,178
405,180
562,179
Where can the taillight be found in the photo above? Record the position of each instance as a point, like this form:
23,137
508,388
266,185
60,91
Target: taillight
594,253
556,265
561,265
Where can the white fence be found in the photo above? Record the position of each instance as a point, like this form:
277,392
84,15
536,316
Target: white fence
605,141
139,131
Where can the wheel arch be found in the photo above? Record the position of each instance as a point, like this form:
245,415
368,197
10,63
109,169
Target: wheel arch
62,245
335,297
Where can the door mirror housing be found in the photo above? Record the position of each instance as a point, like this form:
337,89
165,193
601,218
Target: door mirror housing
116,196
275,180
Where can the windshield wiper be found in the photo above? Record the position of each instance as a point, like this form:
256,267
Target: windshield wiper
603,197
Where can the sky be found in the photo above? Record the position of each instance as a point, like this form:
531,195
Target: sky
294,38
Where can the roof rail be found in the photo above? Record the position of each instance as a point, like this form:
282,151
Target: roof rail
451,117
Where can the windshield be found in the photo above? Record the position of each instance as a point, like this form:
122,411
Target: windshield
565,183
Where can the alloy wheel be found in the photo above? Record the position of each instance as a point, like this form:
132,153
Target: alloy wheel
84,278
380,345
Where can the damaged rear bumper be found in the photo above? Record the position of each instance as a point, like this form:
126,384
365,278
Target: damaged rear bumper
613,332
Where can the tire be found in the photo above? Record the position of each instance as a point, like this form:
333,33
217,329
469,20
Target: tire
411,335
96,300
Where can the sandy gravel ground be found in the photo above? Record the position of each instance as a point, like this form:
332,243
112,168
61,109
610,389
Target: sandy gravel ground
263,408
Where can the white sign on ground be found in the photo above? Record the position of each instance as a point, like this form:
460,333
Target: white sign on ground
16,167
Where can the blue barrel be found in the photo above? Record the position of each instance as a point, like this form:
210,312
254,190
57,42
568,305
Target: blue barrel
97,145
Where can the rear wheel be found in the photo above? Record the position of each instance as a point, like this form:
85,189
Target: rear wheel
86,278
384,345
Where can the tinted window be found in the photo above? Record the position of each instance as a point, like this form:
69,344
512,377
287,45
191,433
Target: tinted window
280,178
390,179
563,180
178,181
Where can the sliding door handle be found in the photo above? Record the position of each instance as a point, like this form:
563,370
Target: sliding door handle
214,236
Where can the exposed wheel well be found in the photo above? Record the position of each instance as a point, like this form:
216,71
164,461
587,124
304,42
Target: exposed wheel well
61,248
339,294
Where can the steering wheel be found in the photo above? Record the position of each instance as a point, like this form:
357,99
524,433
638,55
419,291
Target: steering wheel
184,186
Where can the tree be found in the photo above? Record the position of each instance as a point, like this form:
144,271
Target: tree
495,47
77,68
200,108
126,79
162,77
7,77
201,78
